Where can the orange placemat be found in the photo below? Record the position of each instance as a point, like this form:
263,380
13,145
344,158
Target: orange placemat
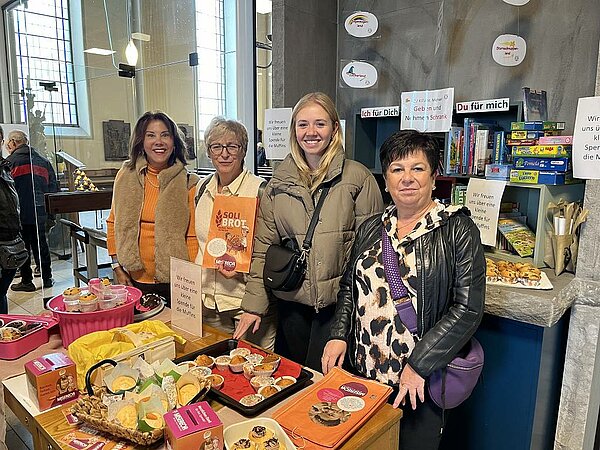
236,385
330,411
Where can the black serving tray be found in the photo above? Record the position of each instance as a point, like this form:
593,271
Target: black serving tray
223,348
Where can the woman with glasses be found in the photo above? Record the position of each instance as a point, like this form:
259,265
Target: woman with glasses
152,218
317,160
222,290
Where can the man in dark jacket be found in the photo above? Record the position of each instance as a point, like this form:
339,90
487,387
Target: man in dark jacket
9,222
34,177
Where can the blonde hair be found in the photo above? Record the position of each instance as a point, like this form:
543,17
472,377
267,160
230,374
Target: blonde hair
313,178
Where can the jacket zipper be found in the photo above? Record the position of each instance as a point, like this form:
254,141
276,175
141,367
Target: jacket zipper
420,302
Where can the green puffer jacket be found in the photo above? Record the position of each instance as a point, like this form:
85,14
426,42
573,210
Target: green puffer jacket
286,208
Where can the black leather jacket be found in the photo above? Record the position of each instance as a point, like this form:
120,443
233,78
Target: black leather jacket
9,204
451,296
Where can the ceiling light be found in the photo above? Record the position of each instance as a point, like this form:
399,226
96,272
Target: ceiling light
131,53
99,51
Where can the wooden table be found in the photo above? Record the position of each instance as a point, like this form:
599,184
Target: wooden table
48,428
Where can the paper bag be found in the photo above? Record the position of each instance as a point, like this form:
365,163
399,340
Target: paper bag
231,233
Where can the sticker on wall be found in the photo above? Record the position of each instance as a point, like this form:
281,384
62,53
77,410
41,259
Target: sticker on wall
359,74
516,2
509,50
361,24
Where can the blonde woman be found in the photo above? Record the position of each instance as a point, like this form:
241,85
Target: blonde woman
316,160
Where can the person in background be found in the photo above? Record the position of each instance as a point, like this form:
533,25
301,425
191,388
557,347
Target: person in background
442,267
34,177
261,154
152,213
10,224
222,290
316,160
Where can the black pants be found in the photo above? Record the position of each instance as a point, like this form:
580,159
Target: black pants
6,277
162,289
302,332
420,429
31,236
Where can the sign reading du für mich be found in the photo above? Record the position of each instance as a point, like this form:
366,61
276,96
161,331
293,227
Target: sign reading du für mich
475,106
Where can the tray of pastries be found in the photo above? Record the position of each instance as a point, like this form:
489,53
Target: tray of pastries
518,275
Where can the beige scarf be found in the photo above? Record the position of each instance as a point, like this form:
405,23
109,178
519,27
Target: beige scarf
171,217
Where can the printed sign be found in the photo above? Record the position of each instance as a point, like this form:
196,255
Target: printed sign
361,24
586,139
186,296
359,74
476,106
427,111
277,132
483,200
380,111
509,50
231,233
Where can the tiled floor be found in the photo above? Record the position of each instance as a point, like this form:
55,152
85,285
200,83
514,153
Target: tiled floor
17,436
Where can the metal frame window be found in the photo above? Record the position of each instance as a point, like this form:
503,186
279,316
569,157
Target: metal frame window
42,51
210,38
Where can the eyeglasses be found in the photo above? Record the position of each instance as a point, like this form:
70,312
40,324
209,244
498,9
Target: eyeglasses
217,149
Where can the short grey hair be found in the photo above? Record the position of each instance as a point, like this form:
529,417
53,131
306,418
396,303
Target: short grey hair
18,136
219,126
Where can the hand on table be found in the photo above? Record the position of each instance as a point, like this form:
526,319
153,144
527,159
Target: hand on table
411,385
333,355
246,321
122,276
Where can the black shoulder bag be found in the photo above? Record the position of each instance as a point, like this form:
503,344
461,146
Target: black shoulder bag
13,253
285,267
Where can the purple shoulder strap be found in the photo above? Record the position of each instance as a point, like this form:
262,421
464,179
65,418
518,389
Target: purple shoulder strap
405,310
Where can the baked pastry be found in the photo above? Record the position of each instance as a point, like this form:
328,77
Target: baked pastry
243,444
273,444
509,276
72,292
89,297
205,361
260,434
251,399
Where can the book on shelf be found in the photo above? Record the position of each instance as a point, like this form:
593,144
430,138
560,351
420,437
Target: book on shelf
518,235
453,150
535,105
459,194
537,125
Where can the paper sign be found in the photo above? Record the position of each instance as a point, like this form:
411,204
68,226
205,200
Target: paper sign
186,296
277,132
361,24
586,139
359,74
483,200
380,111
427,111
477,106
509,50
231,233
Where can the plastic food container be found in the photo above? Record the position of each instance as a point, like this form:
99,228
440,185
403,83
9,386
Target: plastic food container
88,305
75,324
35,338
108,301
71,305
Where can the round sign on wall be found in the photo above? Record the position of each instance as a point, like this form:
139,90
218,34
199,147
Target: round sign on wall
516,2
509,50
361,24
359,74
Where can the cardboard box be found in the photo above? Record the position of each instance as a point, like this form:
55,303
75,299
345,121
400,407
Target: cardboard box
540,177
547,164
537,125
51,380
194,426
542,151
497,171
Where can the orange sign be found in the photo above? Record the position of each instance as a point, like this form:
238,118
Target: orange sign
231,233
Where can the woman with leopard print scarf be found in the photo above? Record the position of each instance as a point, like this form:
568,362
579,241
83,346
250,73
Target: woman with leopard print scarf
442,267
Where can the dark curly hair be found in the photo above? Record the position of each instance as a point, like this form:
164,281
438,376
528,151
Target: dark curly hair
136,143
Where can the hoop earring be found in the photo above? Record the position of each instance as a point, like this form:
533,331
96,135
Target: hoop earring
433,188
386,189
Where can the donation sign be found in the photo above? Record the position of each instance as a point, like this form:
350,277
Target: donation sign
586,139
186,296
427,111
277,132
483,200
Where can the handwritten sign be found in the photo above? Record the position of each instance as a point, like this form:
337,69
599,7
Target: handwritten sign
186,296
427,111
277,132
483,200
586,139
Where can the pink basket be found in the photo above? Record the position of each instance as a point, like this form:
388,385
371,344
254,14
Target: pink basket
76,324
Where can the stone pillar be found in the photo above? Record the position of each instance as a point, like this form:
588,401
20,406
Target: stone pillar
580,394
